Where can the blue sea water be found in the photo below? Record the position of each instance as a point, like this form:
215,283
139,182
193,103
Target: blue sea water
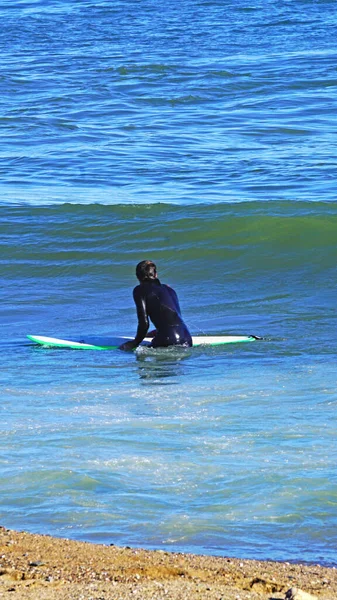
201,135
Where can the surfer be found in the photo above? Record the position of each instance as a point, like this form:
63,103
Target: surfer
158,302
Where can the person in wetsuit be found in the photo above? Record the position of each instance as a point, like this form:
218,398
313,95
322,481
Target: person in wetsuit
159,302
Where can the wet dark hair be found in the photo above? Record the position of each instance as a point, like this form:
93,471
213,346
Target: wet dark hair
146,270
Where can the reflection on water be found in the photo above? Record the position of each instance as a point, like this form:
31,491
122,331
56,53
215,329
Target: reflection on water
158,364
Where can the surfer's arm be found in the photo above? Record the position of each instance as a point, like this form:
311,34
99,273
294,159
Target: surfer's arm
143,321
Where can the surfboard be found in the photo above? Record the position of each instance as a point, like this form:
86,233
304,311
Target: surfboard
114,343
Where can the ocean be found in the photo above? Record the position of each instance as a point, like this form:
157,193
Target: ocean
200,135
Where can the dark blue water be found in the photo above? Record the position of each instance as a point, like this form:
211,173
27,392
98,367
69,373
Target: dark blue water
201,135
187,102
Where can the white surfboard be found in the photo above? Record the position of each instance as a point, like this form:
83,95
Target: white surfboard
114,343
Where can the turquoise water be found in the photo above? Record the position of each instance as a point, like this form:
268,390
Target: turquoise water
203,136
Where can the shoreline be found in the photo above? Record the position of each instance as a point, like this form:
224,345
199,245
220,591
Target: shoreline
40,566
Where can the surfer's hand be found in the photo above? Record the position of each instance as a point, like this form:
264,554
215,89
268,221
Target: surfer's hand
128,346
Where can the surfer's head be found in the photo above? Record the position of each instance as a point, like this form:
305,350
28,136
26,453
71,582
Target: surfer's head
146,270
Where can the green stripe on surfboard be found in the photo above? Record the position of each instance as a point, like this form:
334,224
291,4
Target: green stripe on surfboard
114,343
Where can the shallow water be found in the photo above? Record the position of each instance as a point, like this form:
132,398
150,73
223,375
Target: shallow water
202,136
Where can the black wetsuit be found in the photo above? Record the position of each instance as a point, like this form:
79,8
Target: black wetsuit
159,302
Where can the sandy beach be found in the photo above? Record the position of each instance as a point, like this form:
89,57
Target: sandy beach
36,566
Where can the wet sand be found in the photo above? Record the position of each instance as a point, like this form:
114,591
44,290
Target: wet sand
42,567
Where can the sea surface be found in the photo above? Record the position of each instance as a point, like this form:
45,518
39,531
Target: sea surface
201,135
